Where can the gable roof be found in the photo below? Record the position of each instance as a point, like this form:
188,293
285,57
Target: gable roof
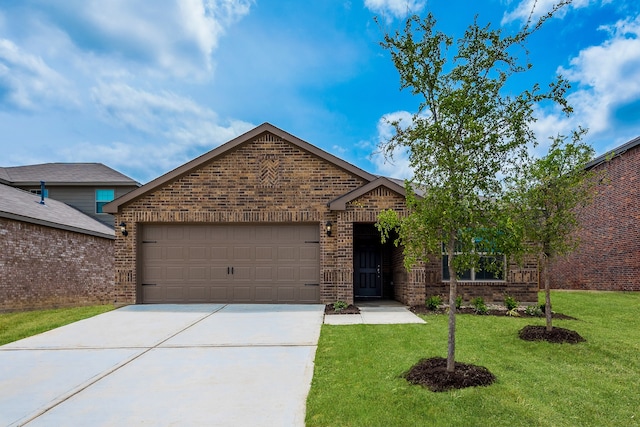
340,203
24,206
613,153
64,174
227,147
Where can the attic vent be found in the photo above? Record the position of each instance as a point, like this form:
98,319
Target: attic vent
268,137
269,170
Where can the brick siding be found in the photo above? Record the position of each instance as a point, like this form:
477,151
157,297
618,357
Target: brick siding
608,255
43,267
265,180
521,284
269,180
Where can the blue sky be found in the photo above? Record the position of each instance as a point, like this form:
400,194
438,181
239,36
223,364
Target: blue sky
144,86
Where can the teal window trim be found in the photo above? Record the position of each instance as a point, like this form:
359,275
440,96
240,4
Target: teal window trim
104,196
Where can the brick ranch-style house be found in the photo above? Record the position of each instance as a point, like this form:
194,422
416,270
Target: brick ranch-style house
608,255
270,218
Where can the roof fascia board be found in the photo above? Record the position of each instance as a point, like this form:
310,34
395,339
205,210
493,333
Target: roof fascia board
75,184
55,225
615,152
114,206
340,204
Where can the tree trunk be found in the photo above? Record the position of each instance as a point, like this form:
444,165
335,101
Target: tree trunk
547,291
453,293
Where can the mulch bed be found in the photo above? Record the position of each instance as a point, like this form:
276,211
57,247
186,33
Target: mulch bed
432,374
556,335
422,309
351,309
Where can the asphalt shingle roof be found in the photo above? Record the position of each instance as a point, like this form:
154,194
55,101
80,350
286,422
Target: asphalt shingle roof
25,206
64,173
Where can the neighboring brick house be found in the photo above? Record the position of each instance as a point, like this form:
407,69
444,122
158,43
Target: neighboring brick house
85,186
608,255
51,255
269,218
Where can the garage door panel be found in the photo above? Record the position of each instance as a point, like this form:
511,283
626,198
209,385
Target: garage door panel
198,294
152,273
175,293
309,234
264,234
242,294
286,274
219,274
286,253
286,294
309,274
153,294
243,273
264,294
198,253
309,294
152,232
264,274
152,253
175,253
175,273
264,253
219,294
243,253
219,252
230,263
197,273
176,233
309,253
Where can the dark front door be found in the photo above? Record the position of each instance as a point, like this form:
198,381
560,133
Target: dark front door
367,271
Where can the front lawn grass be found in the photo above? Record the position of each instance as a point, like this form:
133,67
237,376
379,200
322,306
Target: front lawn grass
18,325
358,370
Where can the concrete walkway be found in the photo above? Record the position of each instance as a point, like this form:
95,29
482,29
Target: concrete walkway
384,312
161,365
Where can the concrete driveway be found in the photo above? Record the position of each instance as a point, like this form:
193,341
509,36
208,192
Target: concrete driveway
160,365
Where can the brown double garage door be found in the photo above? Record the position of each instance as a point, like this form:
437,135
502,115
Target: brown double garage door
230,263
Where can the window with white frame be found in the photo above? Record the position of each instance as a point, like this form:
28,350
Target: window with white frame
102,198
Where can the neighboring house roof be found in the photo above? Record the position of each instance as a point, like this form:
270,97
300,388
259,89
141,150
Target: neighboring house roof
613,153
65,174
24,206
227,147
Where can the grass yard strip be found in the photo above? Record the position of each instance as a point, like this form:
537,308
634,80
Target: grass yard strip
358,370
18,325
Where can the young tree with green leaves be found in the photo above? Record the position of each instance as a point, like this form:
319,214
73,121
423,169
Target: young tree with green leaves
546,195
465,137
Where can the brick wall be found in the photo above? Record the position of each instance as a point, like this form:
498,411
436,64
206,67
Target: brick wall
43,267
265,180
608,256
521,283
271,180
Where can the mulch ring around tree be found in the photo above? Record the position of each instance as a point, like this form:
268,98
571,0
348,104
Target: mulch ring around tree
556,335
422,309
432,374
351,309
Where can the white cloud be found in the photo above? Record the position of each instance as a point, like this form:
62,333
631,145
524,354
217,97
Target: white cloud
606,77
28,83
395,8
177,36
397,164
169,131
522,12
176,118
